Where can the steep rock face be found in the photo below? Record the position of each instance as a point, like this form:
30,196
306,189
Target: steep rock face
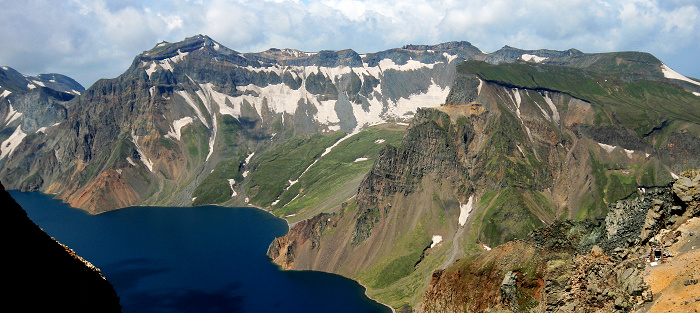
562,267
283,252
31,105
45,275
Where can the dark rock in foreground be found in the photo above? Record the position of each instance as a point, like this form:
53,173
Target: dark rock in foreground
40,274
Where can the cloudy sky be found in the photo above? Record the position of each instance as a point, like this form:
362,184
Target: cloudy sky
93,39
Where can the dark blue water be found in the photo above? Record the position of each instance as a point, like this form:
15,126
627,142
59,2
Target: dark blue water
202,259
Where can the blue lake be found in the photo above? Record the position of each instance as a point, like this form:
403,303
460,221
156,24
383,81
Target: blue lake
201,259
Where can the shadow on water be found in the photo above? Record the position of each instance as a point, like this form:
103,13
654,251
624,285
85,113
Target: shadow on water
185,301
126,274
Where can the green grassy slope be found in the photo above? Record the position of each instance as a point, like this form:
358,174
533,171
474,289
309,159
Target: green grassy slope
640,104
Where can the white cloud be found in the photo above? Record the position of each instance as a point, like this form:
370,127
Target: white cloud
90,39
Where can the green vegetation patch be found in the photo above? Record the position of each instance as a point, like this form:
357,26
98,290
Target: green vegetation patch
215,188
508,218
335,176
273,169
398,268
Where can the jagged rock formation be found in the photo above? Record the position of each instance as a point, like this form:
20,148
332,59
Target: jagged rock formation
562,268
40,274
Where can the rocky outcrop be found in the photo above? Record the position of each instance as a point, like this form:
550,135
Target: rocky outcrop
43,275
562,268
283,250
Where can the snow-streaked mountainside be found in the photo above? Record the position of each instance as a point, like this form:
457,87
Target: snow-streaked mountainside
184,109
346,91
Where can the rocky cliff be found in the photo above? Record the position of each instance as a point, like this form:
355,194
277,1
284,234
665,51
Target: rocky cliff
562,267
44,275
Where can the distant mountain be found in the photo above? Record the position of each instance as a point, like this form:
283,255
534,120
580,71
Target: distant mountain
31,104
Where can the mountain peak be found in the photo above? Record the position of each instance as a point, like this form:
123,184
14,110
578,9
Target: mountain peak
166,50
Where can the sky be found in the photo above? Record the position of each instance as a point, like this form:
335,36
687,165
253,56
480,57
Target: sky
92,39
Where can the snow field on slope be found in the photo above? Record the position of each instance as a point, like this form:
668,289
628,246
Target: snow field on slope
9,145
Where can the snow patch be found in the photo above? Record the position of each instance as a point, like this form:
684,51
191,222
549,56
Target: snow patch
379,141
282,99
434,96
179,57
245,174
481,84
128,159
674,176
630,153
696,93
411,65
607,148
232,182
449,57
146,161
119,171
360,160
9,145
532,58
5,93
220,99
12,115
247,159
150,70
465,209
41,130
212,139
487,248
38,83
555,112
31,86
518,100
669,73
436,239
175,129
193,105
